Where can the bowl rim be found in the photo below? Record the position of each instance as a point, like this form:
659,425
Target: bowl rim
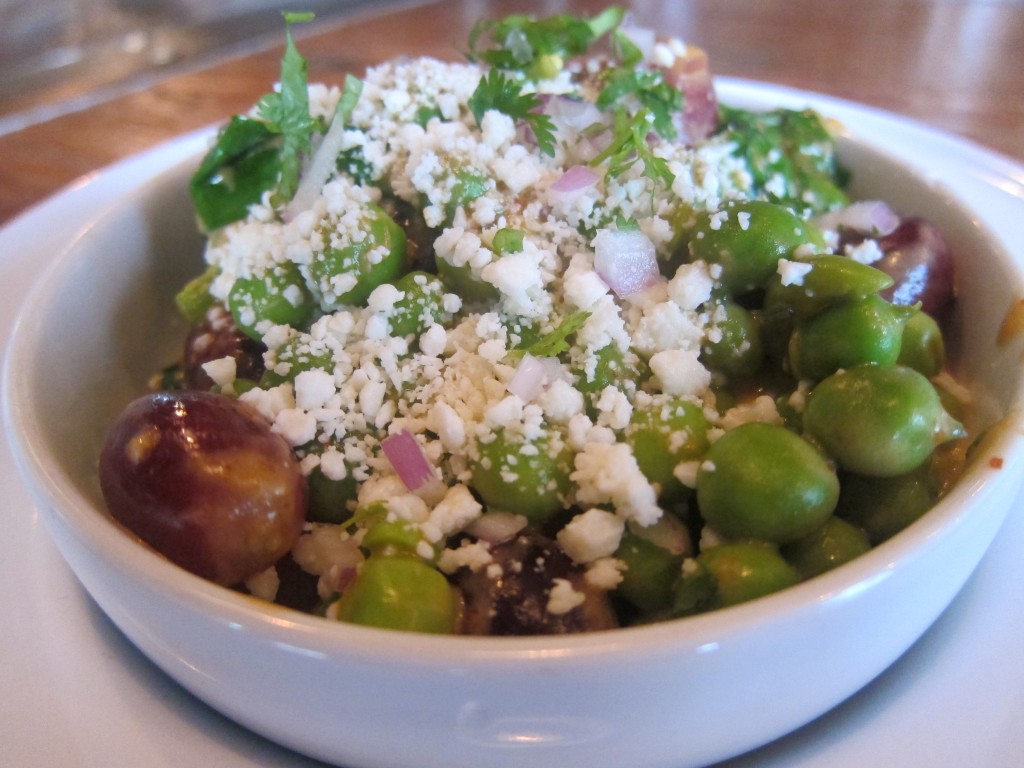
53,492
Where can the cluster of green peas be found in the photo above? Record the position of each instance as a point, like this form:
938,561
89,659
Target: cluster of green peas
852,464
855,460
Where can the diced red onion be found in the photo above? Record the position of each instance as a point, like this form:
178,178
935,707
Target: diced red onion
496,527
408,459
576,178
321,165
692,76
577,114
869,217
528,380
626,261
553,370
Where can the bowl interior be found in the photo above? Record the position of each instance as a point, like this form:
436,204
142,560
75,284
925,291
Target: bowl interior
104,315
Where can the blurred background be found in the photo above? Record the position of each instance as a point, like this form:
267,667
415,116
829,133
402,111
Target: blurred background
60,55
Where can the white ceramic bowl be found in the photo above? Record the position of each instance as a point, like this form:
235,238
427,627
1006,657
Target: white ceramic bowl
676,694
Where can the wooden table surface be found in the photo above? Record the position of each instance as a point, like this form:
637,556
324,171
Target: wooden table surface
957,65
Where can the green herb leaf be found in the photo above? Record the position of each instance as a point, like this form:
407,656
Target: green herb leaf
253,155
649,89
556,342
791,156
496,91
629,145
349,96
242,165
287,112
538,46
625,50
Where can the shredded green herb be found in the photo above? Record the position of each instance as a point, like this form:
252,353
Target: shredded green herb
499,92
255,155
629,145
556,342
791,155
287,112
538,47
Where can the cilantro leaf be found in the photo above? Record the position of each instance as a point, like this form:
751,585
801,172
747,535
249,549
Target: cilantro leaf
349,96
253,154
234,174
556,342
287,112
538,46
647,87
496,91
791,156
629,145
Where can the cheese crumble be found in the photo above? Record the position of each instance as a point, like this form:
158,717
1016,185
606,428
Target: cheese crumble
444,245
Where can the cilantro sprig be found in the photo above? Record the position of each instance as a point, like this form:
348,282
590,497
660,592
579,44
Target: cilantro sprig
556,342
629,145
255,154
502,93
287,112
650,90
538,47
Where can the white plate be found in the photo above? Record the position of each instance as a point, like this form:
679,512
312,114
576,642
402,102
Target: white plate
75,692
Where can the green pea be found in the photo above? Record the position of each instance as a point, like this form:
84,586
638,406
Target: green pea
421,306
777,323
762,481
279,296
300,353
746,570
733,346
923,348
747,239
694,591
508,240
359,266
868,330
329,499
400,591
650,575
683,221
884,506
662,435
834,543
462,282
878,421
528,477
609,366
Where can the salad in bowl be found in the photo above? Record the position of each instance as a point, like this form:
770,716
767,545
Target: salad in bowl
545,341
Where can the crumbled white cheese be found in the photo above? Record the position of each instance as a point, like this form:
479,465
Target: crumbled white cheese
563,597
591,535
